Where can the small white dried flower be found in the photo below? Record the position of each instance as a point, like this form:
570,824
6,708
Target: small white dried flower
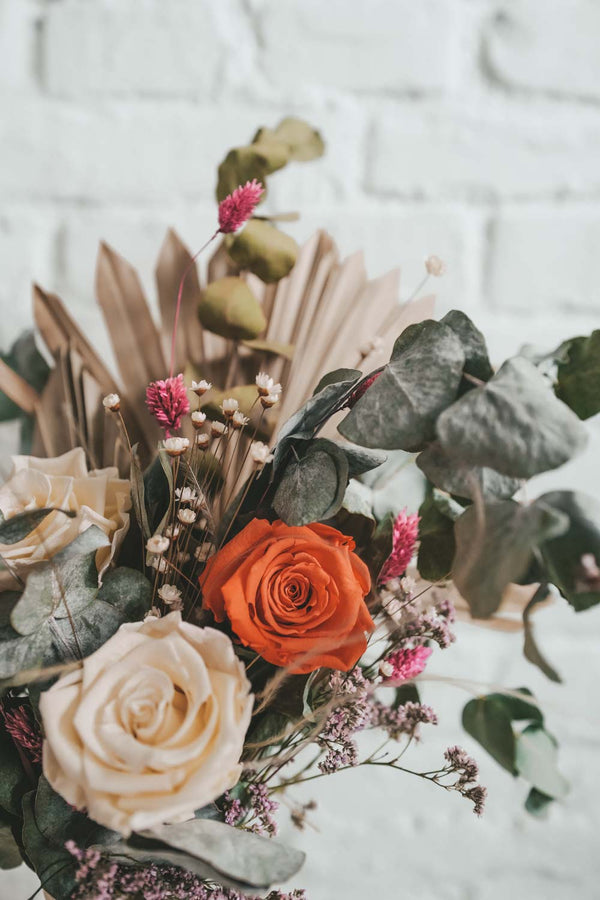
202,441
269,401
266,385
239,420
186,516
201,387
159,563
183,558
186,495
229,407
435,266
112,402
170,595
157,544
386,669
172,531
198,418
217,429
260,453
176,446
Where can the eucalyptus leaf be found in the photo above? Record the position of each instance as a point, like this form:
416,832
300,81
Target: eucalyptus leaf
264,250
494,547
477,362
239,854
518,706
361,459
10,855
531,651
578,375
229,308
18,527
25,359
242,164
13,780
271,348
437,544
537,803
564,555
356,516
486,720
535,759
513,424
313,484
448,472
400,408
337,376
304,141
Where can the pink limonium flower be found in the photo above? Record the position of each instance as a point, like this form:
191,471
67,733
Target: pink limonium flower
405,664
168,401
237,207
404,538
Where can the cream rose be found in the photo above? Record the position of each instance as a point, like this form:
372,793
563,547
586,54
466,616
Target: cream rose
98,497
151,728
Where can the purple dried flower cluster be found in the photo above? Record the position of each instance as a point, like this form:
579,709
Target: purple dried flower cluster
405,721
258,810
353,691
463,765
99,878
20,723
433,625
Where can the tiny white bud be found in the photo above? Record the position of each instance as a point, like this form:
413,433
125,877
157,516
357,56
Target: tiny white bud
157,544
201,387
435,266
239,420
198,418
176,446
112,402
186,516
260,453
386,669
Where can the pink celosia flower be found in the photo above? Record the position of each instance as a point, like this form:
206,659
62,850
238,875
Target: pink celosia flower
404,537
167,401
24,731
237,207
407,663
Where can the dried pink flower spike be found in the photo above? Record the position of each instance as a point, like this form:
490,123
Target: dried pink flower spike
404,537
237,207
406,664
168,401
22,727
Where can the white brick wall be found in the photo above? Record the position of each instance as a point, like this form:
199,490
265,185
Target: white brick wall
468,128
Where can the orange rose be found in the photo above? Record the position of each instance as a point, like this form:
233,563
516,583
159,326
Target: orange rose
292,594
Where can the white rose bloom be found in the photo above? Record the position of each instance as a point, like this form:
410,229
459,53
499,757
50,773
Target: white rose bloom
98,497
152,726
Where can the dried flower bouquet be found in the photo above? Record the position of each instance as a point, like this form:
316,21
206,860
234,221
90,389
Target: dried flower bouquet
203,604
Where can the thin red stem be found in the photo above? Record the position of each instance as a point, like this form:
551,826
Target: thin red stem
180,295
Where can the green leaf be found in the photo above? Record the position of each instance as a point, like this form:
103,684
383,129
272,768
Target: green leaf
337,376
62,587
537,803
517,708
494,547
535,758
356,516
229,308
531,651
243,164
477,362
578,383
138,494
513,424
18,527
158,491
239,854
10,855
271,348
486,720
437,545
264,250
304,142
275,151
313,485
13,780
25,359
361,460
449,473
400,408
563,554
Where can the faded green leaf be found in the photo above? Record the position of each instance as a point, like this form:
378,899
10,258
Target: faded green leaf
242,164
486,720
513,424
264,250
535,758
10,855
18,527
304,142
337,376
400,409
578,376
229,308
449,473
477,362
537,803
494,547
531,651
313,484
25,359
271,348
436,537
